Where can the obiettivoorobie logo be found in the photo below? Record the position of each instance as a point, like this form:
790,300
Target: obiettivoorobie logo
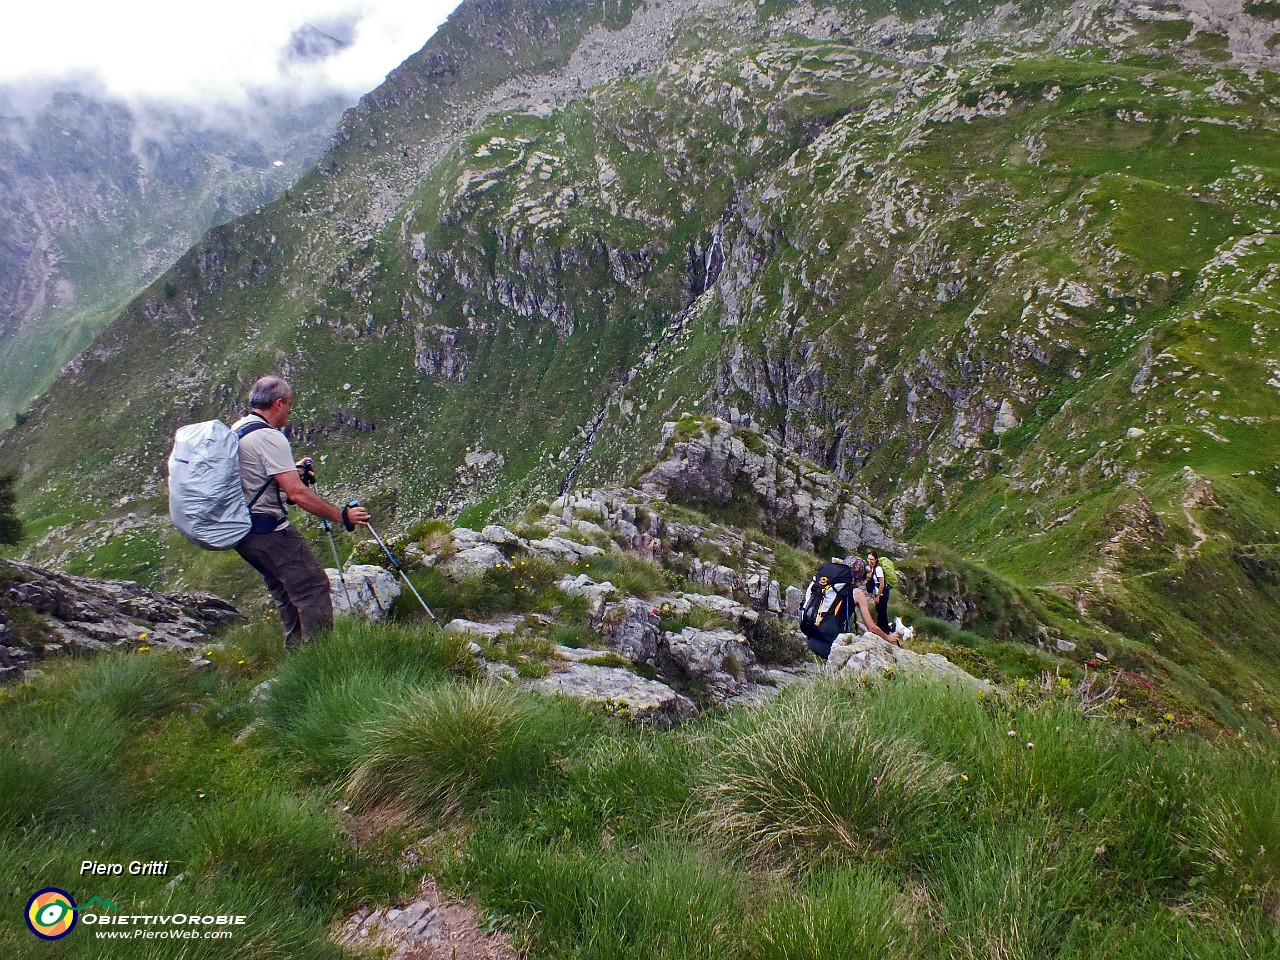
51,913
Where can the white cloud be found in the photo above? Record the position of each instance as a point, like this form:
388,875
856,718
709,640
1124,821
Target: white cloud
210,53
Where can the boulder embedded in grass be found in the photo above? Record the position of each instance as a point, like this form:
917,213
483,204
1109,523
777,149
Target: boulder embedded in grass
369,591
868,655
615,688
490,631
473,560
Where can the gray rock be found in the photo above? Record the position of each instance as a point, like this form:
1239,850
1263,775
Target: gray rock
489,631
583,585
502,672
632,627
559,548
732,609
714,464
1006,418
368,592
502,537
84,615
471,561
429,925
868,655
616,689
720,659
792,602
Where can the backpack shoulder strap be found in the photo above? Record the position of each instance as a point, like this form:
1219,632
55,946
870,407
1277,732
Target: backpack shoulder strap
248,428
241,433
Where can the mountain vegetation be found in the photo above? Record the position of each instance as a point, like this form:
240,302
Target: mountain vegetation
893,819
1008,272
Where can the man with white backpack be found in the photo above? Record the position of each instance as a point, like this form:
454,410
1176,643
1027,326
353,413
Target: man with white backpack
212,510
298,584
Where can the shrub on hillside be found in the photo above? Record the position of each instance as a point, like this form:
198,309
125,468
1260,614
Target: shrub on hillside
773,641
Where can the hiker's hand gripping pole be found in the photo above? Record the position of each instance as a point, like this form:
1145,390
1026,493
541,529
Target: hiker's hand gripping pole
395,563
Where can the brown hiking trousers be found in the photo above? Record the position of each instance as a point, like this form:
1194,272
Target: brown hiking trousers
297,582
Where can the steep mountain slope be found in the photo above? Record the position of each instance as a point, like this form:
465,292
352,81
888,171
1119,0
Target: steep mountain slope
98,198
1010,272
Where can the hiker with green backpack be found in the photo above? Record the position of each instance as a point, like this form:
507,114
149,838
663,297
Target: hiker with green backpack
883,578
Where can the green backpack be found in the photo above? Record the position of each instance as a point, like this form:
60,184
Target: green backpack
890,572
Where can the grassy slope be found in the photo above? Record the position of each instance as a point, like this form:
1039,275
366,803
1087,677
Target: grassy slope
739,836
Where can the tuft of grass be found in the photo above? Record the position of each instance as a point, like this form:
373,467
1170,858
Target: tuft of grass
449,744
632,575
328,692
859,908
324,734
259,645
1183,931
513,586
666,899
133,687
1236,830
1011,893
812,781
272,836
54,768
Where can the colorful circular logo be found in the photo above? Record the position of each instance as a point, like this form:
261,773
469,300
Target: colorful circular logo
51,913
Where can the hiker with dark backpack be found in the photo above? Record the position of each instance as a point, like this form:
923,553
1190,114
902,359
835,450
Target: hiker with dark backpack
824,615
272,480
836,603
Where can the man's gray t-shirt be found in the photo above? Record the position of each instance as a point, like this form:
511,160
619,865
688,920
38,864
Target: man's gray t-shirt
263,454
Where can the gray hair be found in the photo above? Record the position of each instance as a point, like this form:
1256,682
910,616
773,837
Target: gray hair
267,391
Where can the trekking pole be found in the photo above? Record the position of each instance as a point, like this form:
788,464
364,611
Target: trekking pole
338,563
309,478
395,563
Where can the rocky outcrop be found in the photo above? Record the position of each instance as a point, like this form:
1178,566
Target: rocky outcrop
713,462
44,613
718,661
590,676
869,656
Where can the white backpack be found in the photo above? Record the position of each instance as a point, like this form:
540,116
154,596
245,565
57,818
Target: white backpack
206,498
